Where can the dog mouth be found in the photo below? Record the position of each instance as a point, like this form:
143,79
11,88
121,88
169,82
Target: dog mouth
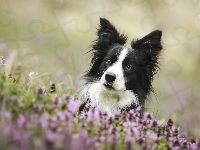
109,86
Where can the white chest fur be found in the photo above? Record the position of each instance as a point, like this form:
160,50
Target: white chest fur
108,100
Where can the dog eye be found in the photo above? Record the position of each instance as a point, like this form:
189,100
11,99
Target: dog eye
108,61
128,68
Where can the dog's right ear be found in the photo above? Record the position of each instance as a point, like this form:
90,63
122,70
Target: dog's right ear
108,35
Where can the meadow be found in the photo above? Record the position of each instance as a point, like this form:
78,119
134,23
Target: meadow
43,55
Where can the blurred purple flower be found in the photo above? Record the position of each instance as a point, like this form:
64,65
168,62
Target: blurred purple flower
5,114
96,113
73,105
20,138
176,148
130,124
112,139
21,121
79,140
136,131
2,46
43,120
92,141
68,97
129,138
152,135
57,102
193,146
38,108
61,116
50,137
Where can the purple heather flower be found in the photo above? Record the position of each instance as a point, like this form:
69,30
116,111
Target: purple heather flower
152,135
141,140
102,138
61,116
182,140
130,124
57,102
193,146
20,138
50,137
53,119
89,116
136,131
38,108
54,126
67,97
79,140
91,141
154,123
129,138
170,123
173,139
96,113
111,129
68,115
73,105
112,139
44,120
131,111
148,116
138,108
176,148
7,129
21,121
6,114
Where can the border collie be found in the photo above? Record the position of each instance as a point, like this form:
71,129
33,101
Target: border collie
120,78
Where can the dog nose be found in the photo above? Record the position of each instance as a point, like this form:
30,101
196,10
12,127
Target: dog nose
110,77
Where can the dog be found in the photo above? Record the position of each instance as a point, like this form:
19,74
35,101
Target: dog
120,78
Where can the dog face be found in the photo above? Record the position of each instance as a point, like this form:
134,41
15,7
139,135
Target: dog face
121,76
119,68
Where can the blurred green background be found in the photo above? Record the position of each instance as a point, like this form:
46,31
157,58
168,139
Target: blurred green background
52,37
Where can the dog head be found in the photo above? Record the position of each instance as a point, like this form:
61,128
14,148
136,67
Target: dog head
119,68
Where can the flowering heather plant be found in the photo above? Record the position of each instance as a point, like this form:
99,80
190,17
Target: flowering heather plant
39,119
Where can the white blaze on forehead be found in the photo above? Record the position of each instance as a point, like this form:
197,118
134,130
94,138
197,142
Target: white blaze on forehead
117,69
122,55
117,66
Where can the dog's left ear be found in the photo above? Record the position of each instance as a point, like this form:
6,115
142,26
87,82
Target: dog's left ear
149,46
107,35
